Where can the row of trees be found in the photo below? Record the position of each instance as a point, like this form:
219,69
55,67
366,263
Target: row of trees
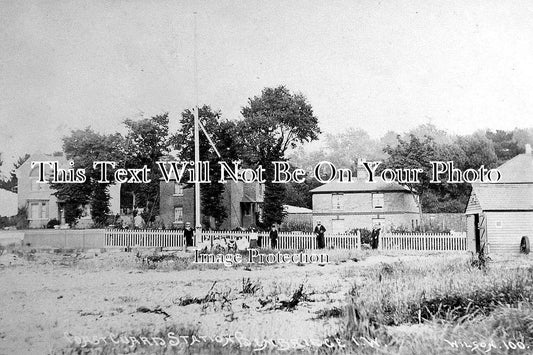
273,122
415,149
274,127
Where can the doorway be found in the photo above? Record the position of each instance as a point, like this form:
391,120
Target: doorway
477,233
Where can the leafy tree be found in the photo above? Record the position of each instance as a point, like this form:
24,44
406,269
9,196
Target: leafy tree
146,141
422,131
415,153
299,194
84,147
505,146
523,136
274,122
465,152
223,133
307,160
478,150
345,148
12,183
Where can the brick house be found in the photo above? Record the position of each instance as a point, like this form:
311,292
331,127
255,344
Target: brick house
342,206
39,200
242,201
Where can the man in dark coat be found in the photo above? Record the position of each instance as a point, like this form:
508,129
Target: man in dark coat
319,232
374,237
273,237
188,233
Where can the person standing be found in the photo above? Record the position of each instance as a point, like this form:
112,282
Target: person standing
319,232
188,233
375,237
138,221
273,237
253,238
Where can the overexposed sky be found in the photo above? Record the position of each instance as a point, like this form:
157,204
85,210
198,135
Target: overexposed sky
374,65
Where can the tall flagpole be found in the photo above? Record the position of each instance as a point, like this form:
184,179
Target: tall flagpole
198,225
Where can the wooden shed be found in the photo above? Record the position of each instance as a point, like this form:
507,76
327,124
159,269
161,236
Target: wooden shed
500,214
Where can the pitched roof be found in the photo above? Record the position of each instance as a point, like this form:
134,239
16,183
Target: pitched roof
61,159
501,197
517,169
360,186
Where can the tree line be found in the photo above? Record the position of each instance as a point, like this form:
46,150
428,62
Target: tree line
275,125
415,149
273,122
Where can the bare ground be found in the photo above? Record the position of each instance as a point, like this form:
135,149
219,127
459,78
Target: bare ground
50,298
93,294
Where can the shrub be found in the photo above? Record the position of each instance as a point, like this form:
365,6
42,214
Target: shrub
52,223
366,234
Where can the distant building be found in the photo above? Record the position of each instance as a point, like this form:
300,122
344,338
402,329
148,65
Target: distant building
39,199
342,206
500,214
242,202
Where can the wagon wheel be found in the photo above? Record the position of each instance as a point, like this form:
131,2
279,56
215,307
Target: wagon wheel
524,245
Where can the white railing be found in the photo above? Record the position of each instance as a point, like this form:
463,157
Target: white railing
165,238
174,238
423,242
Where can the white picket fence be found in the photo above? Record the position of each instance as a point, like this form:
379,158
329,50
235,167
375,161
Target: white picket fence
423,242
174,238
295,240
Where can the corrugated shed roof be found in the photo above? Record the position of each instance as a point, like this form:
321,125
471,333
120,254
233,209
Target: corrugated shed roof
360,186
517,169
503,197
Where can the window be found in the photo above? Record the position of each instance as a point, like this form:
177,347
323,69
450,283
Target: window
178,214
37,186
178,189
39,210
377,200
247,208
337,201
35,212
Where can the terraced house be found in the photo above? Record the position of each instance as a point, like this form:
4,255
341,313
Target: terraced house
342,206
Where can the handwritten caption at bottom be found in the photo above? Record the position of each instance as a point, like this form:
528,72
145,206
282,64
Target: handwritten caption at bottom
238,339
487,345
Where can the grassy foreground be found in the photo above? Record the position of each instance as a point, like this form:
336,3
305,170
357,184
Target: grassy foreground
435,305
361,302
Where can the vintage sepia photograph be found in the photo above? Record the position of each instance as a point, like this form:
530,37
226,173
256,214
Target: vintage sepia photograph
270,177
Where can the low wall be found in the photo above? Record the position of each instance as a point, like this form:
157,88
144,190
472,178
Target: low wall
65,238
11,236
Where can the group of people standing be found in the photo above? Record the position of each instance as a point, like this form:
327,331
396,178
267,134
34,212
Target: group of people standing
256,241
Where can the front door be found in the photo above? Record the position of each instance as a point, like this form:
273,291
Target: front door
480,223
